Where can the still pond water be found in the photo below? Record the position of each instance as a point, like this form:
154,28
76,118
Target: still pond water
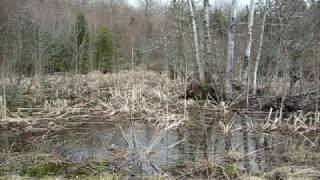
254,152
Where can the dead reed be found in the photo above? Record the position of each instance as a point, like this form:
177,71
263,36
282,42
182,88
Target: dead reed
95,98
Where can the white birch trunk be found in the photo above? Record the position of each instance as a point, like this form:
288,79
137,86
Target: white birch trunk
230,49
257,59
196,45
206,22
247,56
207,40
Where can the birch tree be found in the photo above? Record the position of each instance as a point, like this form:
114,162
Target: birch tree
206,23
195,41
247,56
257,59
230,49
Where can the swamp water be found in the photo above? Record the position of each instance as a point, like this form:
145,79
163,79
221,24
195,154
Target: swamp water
252,152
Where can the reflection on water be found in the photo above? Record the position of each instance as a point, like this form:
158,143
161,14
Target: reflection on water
253,152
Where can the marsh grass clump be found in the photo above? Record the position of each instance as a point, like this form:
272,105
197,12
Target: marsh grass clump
43,169
303,154
41,166
33,165
231,170
205,169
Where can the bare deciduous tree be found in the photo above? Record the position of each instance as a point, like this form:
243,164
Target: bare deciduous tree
195,41
247,56
230,49
206,23
257,59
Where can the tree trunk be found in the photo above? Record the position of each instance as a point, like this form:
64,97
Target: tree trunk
247,56
195,40
172,63
230,50
257,60
278,60
206,23
280,45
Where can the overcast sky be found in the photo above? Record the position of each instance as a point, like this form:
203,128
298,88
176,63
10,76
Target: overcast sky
241,2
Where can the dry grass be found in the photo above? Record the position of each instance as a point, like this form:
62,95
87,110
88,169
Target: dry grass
277,86
55,101
295,123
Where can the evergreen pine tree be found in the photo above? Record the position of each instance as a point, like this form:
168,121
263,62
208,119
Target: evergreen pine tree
82,42
104,50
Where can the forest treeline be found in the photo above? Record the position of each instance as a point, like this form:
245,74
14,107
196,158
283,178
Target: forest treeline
224,45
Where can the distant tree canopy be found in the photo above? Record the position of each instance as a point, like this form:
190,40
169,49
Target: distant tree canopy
104,50
38,37
64,57
71,52
220,22
59,60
